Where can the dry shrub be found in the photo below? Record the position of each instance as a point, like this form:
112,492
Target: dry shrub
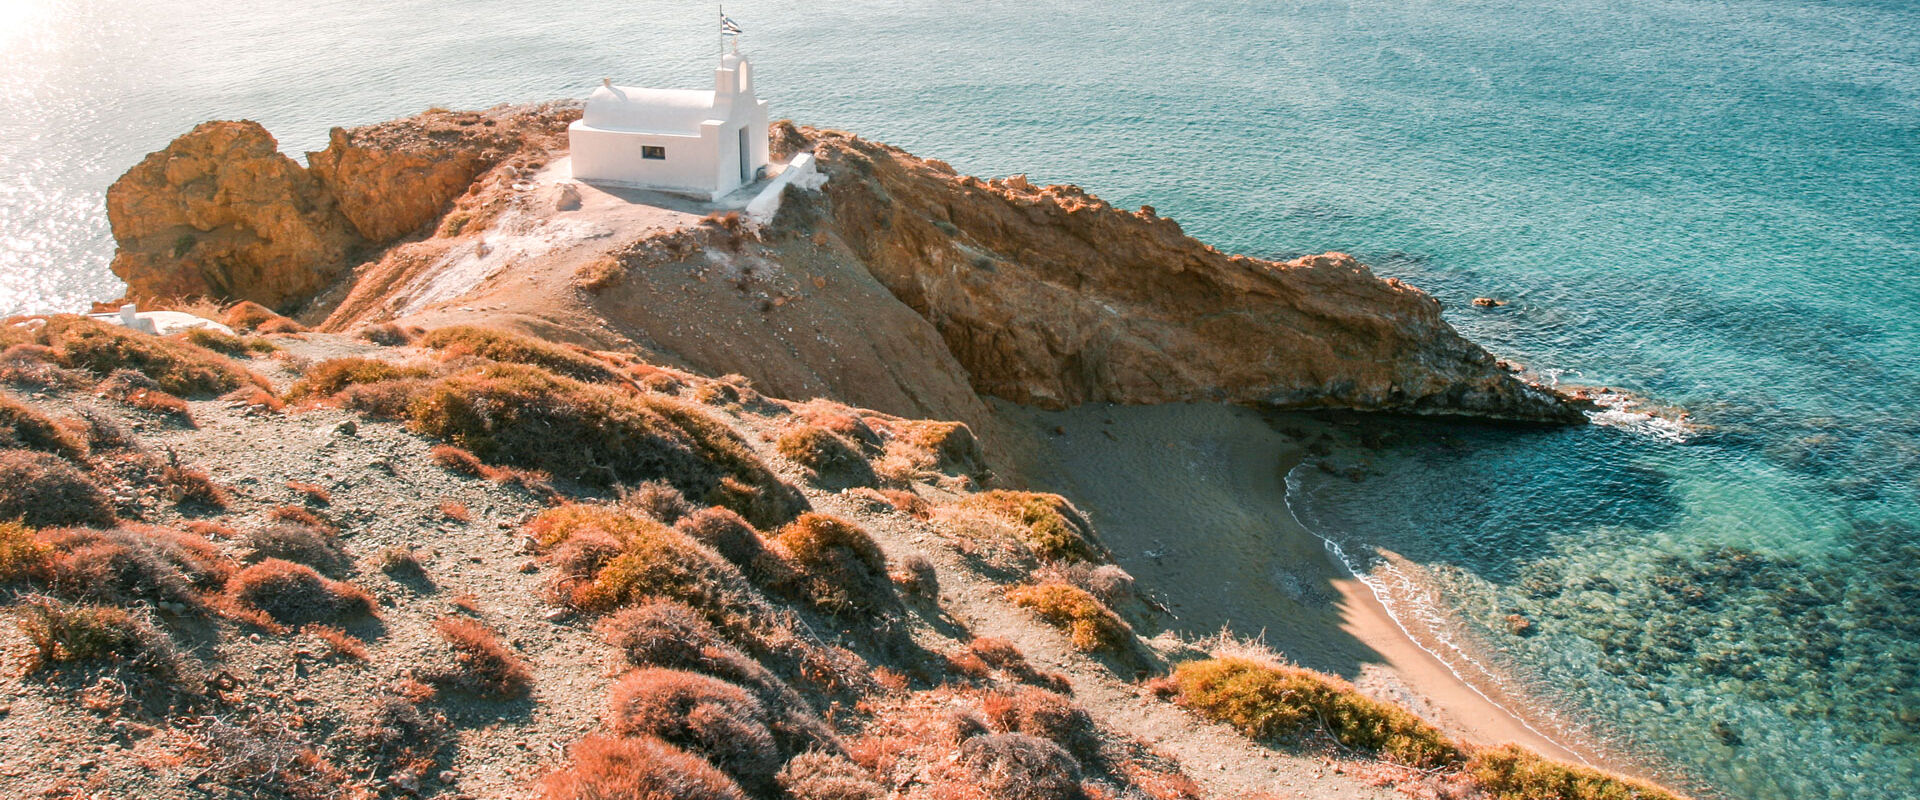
653,560
825,776
254,399
297,515
130,565
401,561
1511,772
908,503
1006,657
398,736
485,666
386,334
513,414
26,364
497,345
1050,526
599,275
657,499
1037,712
210,529
339,643
176,367
460,460
265,758
224,343
61,633
23,427
141,392
917,577
1113,585
842,571
726,533
456,511
330,377
42,490
579,558
313,492
22,555
1013,766
247,315
645,768
192,487
1092,626
301,544
834,461
1268,701
701,713
294,594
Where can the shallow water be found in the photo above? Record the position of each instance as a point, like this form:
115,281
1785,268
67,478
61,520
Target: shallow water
1711,203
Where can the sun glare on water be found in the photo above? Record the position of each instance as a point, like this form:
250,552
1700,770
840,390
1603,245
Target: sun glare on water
19,18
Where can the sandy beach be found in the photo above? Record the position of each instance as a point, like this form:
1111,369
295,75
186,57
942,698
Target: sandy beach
1192,499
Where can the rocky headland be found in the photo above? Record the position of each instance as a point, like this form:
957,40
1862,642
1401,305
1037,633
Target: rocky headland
547,491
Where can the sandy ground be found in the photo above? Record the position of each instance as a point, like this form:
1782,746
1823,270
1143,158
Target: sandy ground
1192,501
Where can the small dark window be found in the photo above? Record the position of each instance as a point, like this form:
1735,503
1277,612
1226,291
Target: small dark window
653,152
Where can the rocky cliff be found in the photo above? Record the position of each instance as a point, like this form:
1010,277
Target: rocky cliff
1051,297
901,286
221,213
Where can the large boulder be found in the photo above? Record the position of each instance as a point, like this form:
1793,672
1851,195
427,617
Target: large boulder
222,213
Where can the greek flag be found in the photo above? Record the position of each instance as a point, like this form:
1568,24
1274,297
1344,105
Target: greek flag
727,26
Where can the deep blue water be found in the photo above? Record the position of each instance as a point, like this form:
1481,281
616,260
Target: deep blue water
1715,204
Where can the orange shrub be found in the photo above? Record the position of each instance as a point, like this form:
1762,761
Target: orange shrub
1268,701
1511,772
459,460
1020,767
1050,526
298,543
22,555
294,594
339,643
832,459
23,427
189,486
247,315
329,377
177,367
1092,626
644,768
842,570
128,565
498,345
485,665
726,533
315,493
1036,712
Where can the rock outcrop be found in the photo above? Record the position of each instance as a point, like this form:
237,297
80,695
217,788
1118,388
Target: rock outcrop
1051,297
221,213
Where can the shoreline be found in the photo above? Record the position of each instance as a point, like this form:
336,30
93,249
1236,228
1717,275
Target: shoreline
1192,499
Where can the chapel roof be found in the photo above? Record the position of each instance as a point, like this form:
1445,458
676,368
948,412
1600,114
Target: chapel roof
629,108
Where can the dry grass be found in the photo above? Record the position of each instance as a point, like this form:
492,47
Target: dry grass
1515,773
657,499
599,275
177,367
834,461
250,316
497,345
294,594
704,714
300,515
387,334
645,768
313,492
1092,625
23,427
725,532
1267,701
43,490
841,570
226,344
23,363
484,665
456,511
458,460
340,644
1037,712
330,377
1048,524
400,738
651,561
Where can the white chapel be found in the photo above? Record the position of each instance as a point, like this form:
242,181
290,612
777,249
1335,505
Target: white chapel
685,141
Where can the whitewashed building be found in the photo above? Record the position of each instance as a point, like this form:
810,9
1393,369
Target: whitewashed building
684,141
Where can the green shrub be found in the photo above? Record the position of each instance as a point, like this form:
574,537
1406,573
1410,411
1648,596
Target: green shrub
64,634
1511,772
1093,626
1048,524
500,345
23,427
177,367
1274,702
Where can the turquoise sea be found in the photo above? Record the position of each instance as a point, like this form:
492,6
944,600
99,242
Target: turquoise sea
1713,203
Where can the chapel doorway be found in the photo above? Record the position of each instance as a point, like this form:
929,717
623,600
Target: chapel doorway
746,159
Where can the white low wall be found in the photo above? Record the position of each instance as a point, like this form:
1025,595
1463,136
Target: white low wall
801,170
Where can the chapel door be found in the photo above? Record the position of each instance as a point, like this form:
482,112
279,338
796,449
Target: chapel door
746,158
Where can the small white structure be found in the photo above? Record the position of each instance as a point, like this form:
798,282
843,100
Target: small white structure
684,141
